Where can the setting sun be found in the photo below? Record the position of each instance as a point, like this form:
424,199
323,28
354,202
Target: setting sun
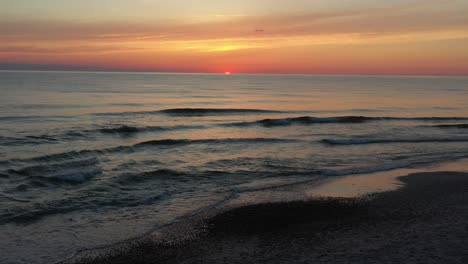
227,73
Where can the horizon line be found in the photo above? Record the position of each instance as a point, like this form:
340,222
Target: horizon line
222,73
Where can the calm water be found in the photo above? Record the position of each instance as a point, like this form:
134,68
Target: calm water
89,159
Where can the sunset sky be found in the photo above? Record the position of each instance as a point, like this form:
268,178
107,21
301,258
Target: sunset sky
413,37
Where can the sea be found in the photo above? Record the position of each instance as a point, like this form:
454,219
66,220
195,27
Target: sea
90,159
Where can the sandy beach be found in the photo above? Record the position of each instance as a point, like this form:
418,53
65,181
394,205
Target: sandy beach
422,222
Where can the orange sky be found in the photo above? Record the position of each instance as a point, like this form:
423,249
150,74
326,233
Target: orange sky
309,37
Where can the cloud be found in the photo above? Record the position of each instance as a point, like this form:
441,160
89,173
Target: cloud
384,21
65,49
300,41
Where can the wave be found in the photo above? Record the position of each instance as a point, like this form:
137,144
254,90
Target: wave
9,118
30,212
454,118
88,134
33,118
187,112
365,170
452,126
170,142
305,120
71,178
309,120
27,140
367,141
74,172
39,140
132,129
42,137
149,175
121,129
103,197
86,153
214,111
70,155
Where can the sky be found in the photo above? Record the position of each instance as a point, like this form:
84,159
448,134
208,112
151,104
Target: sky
412,37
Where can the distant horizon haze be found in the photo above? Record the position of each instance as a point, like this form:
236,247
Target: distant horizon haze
78,68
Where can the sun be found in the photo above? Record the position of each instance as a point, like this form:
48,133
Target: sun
227,73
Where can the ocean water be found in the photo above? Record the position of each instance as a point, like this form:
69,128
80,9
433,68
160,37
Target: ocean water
91,159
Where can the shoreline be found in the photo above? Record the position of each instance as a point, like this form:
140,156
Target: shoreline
356,185
424,221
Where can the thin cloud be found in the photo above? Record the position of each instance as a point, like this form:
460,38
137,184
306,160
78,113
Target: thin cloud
371,21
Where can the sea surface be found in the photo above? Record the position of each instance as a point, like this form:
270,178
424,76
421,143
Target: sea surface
91,159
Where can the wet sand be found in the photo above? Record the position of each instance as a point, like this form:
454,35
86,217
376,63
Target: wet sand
426,221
